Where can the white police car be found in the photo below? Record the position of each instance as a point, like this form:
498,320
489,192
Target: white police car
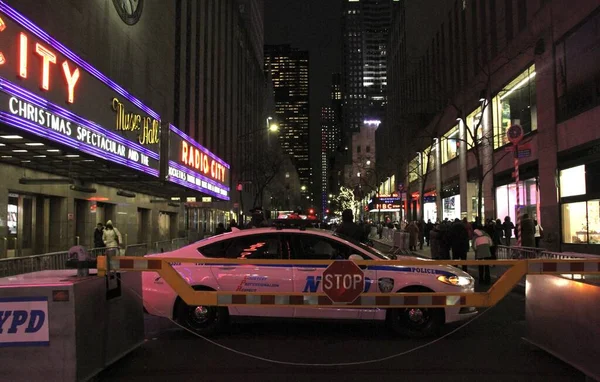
294,244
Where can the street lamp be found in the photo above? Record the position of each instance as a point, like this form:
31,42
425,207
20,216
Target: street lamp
368,163
303,188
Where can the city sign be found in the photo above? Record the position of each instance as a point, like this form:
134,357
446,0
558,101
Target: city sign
193,166
343,281
49,91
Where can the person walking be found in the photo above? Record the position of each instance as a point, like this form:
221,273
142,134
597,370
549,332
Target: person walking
413,232
220,229
112,238
98,232
460,241
527,231
482,244
349,228
428,228
421,226
539,233
508,230
494,234
444,240
433,242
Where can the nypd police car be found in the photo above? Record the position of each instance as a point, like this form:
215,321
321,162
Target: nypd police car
291,245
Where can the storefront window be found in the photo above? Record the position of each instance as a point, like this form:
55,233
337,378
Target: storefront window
450,145
515,104
575,223
428,160
451,207
474,127
506,199
413,170
572,181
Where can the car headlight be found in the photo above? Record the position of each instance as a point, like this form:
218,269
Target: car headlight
456,280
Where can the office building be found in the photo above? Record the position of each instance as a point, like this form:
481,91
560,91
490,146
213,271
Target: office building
289,70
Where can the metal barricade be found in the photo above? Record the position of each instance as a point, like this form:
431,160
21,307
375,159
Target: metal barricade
508,253
401,240
178,243
162,246
136,250
26,264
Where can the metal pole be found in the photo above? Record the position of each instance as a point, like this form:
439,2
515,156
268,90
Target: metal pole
518,197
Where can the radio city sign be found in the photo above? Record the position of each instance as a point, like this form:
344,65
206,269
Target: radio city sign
193,166
49,91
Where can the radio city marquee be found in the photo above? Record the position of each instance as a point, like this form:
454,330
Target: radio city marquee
193,166
48,91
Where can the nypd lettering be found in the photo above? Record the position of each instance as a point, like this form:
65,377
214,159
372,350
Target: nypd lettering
24,321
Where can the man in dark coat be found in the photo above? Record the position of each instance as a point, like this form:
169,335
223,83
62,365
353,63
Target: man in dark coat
98,242
349,228
460,241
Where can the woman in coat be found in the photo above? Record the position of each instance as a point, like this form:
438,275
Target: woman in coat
413,232
482,243
112,237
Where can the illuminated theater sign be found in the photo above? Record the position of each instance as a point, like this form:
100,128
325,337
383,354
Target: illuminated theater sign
48,91
193,166
381,202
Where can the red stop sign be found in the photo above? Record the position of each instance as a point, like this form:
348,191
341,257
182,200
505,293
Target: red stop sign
343,281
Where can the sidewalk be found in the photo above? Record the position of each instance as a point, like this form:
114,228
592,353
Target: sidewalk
495,272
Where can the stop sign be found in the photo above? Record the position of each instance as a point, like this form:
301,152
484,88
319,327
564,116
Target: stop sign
343,281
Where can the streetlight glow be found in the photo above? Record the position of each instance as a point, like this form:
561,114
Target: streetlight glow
274,127
368,163
358,174
303,188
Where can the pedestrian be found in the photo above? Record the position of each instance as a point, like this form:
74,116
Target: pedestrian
413,232
258,218
98,232
444,241
232,224
539,233
527,232
508,229
433,242
112,238
499,231
220,229
349,228
482,243
490,229
459,241
469,227
428,228
421,226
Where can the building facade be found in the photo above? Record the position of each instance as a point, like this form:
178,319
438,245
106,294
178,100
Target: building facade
490,66
289,70
107,117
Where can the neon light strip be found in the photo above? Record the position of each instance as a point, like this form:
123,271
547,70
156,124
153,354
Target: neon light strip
179,167
73,143
17,91
197,145
39,33
198,188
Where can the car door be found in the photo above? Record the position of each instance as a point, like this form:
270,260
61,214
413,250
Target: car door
308,278
242,277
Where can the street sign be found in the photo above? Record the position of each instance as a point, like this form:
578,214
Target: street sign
514,134
524,153
343,281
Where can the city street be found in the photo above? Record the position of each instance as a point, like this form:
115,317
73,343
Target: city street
490,347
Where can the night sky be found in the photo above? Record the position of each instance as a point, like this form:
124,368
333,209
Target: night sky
313,25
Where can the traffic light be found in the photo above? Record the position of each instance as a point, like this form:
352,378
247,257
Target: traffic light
240,187
327,210
311,211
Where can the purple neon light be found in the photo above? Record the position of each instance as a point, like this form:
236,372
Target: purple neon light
68,141
197,175
197,145
198,188
17,91
31,27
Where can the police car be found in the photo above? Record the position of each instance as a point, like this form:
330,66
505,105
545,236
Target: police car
291,244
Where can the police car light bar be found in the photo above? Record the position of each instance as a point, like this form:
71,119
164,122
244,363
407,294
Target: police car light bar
294,221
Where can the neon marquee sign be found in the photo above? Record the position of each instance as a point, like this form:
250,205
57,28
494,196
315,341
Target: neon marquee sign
193,166
44,85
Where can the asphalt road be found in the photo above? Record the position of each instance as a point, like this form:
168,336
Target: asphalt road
489,348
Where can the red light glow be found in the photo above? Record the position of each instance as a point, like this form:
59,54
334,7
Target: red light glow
72,79
23,55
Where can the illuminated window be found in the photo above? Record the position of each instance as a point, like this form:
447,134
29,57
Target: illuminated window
572,181
450,145
515,105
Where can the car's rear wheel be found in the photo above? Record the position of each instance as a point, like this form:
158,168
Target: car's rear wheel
203,320
416,322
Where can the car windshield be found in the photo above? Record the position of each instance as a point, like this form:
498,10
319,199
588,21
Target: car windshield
374,252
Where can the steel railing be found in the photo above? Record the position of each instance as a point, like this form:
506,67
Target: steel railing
25,264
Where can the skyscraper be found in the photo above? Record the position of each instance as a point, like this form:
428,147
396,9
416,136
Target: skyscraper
329,136
365,32
289,71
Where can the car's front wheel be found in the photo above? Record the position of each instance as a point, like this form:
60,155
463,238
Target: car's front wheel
416,322
203,320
